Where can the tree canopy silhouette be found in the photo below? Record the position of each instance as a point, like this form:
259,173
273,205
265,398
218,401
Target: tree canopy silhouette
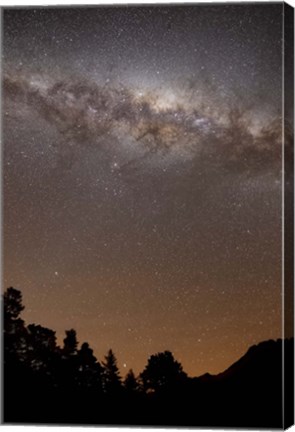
162,373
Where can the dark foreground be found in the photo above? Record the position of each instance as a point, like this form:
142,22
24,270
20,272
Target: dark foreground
46,384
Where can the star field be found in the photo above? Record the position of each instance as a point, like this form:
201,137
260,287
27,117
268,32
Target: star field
142,177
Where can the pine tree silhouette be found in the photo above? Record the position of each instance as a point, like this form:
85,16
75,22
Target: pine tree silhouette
130,382
112,378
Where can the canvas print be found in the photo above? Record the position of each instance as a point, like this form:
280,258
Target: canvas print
148,215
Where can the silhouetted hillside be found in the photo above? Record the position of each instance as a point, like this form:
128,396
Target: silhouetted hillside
255,362
249,392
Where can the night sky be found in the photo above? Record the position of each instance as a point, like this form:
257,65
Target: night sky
142,177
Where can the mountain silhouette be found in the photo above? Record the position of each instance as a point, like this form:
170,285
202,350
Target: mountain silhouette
250,392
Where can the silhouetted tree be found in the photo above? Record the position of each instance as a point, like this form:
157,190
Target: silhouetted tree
112,379
41,348
15,334
12,304
90,370
162,373
69,365
16,374
130,382
70,343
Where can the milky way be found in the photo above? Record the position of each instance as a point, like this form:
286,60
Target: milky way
142,176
